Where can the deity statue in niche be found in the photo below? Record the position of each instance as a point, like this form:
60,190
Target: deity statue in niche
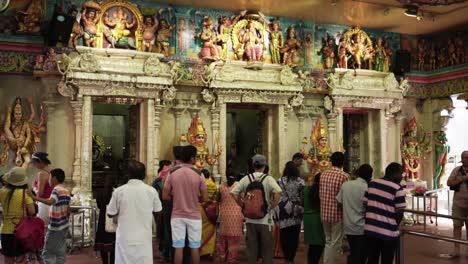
163,36
440,158
276,42
292,49
421,54
29,21
21,135
121,25
224,33
149,29
319,154
89,20
460,48
442,57
328,53
196,136
210,50
251,43
413,146
380,56
342,53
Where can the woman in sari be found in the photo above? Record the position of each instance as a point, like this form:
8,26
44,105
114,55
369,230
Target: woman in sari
208,213
230,222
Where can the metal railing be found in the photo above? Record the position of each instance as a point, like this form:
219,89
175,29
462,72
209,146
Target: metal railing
400,253
430,195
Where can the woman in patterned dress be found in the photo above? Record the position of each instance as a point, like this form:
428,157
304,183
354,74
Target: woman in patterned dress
208,241
231,222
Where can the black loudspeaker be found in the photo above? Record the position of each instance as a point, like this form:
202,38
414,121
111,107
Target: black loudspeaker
402,63
60,29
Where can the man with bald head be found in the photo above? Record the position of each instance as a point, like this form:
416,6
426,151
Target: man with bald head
458,182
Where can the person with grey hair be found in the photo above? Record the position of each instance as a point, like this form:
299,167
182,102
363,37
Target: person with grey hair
259,230
458,182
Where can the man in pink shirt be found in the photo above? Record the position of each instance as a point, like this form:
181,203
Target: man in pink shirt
186,188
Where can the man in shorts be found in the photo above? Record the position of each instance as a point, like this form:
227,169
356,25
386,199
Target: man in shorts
186,189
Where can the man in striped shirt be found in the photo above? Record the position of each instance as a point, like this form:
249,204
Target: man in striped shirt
59,213
385,199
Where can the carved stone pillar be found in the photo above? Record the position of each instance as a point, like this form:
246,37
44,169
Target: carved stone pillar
339,130
178,111
157,138
222,139
151,167
301,133
86,144
398,121
383,128
332,136
50,106
215,116
281,140
77,107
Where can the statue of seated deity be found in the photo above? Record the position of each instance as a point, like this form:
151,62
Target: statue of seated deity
251,44
292,49
196,136
120,26
210,50
29,21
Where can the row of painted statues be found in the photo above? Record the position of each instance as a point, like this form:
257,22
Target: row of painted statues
432,56
247,33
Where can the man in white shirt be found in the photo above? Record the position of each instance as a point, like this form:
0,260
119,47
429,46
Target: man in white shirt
350,200
259,230
133,204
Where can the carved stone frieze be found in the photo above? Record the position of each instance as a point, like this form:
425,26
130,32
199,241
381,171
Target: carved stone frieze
169,94
66,89
233,75
364,83
296,100
153,66
89,62
249,96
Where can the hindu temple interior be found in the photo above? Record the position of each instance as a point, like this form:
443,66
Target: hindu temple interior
94,83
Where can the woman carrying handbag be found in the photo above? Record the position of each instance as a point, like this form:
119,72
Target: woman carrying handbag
12,198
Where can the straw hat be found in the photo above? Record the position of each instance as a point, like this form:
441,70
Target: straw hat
16,177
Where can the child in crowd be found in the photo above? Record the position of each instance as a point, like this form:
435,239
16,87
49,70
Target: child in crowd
59,201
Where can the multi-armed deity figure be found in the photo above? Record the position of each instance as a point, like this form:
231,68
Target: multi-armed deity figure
196,136
292,49
413,146
120,25
440,157
319,153
210,50
30,20
21,135
251,43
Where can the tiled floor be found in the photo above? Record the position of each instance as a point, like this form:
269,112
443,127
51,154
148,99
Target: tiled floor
417,250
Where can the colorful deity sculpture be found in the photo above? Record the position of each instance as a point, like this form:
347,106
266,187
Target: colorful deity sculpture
29,21
120,26
380,56
413,146
196,136
319,154
210,50
342,53
224,33
421,54
328,53
149,38
292,49
440,158
163,36
89,19
251,43
276,42
460,48
21,135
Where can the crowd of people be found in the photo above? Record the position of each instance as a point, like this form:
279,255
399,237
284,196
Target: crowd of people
197,218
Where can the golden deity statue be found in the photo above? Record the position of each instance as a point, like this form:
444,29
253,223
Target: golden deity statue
196,136
21,135
276,42
413,146
251,43
319,154
292,49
